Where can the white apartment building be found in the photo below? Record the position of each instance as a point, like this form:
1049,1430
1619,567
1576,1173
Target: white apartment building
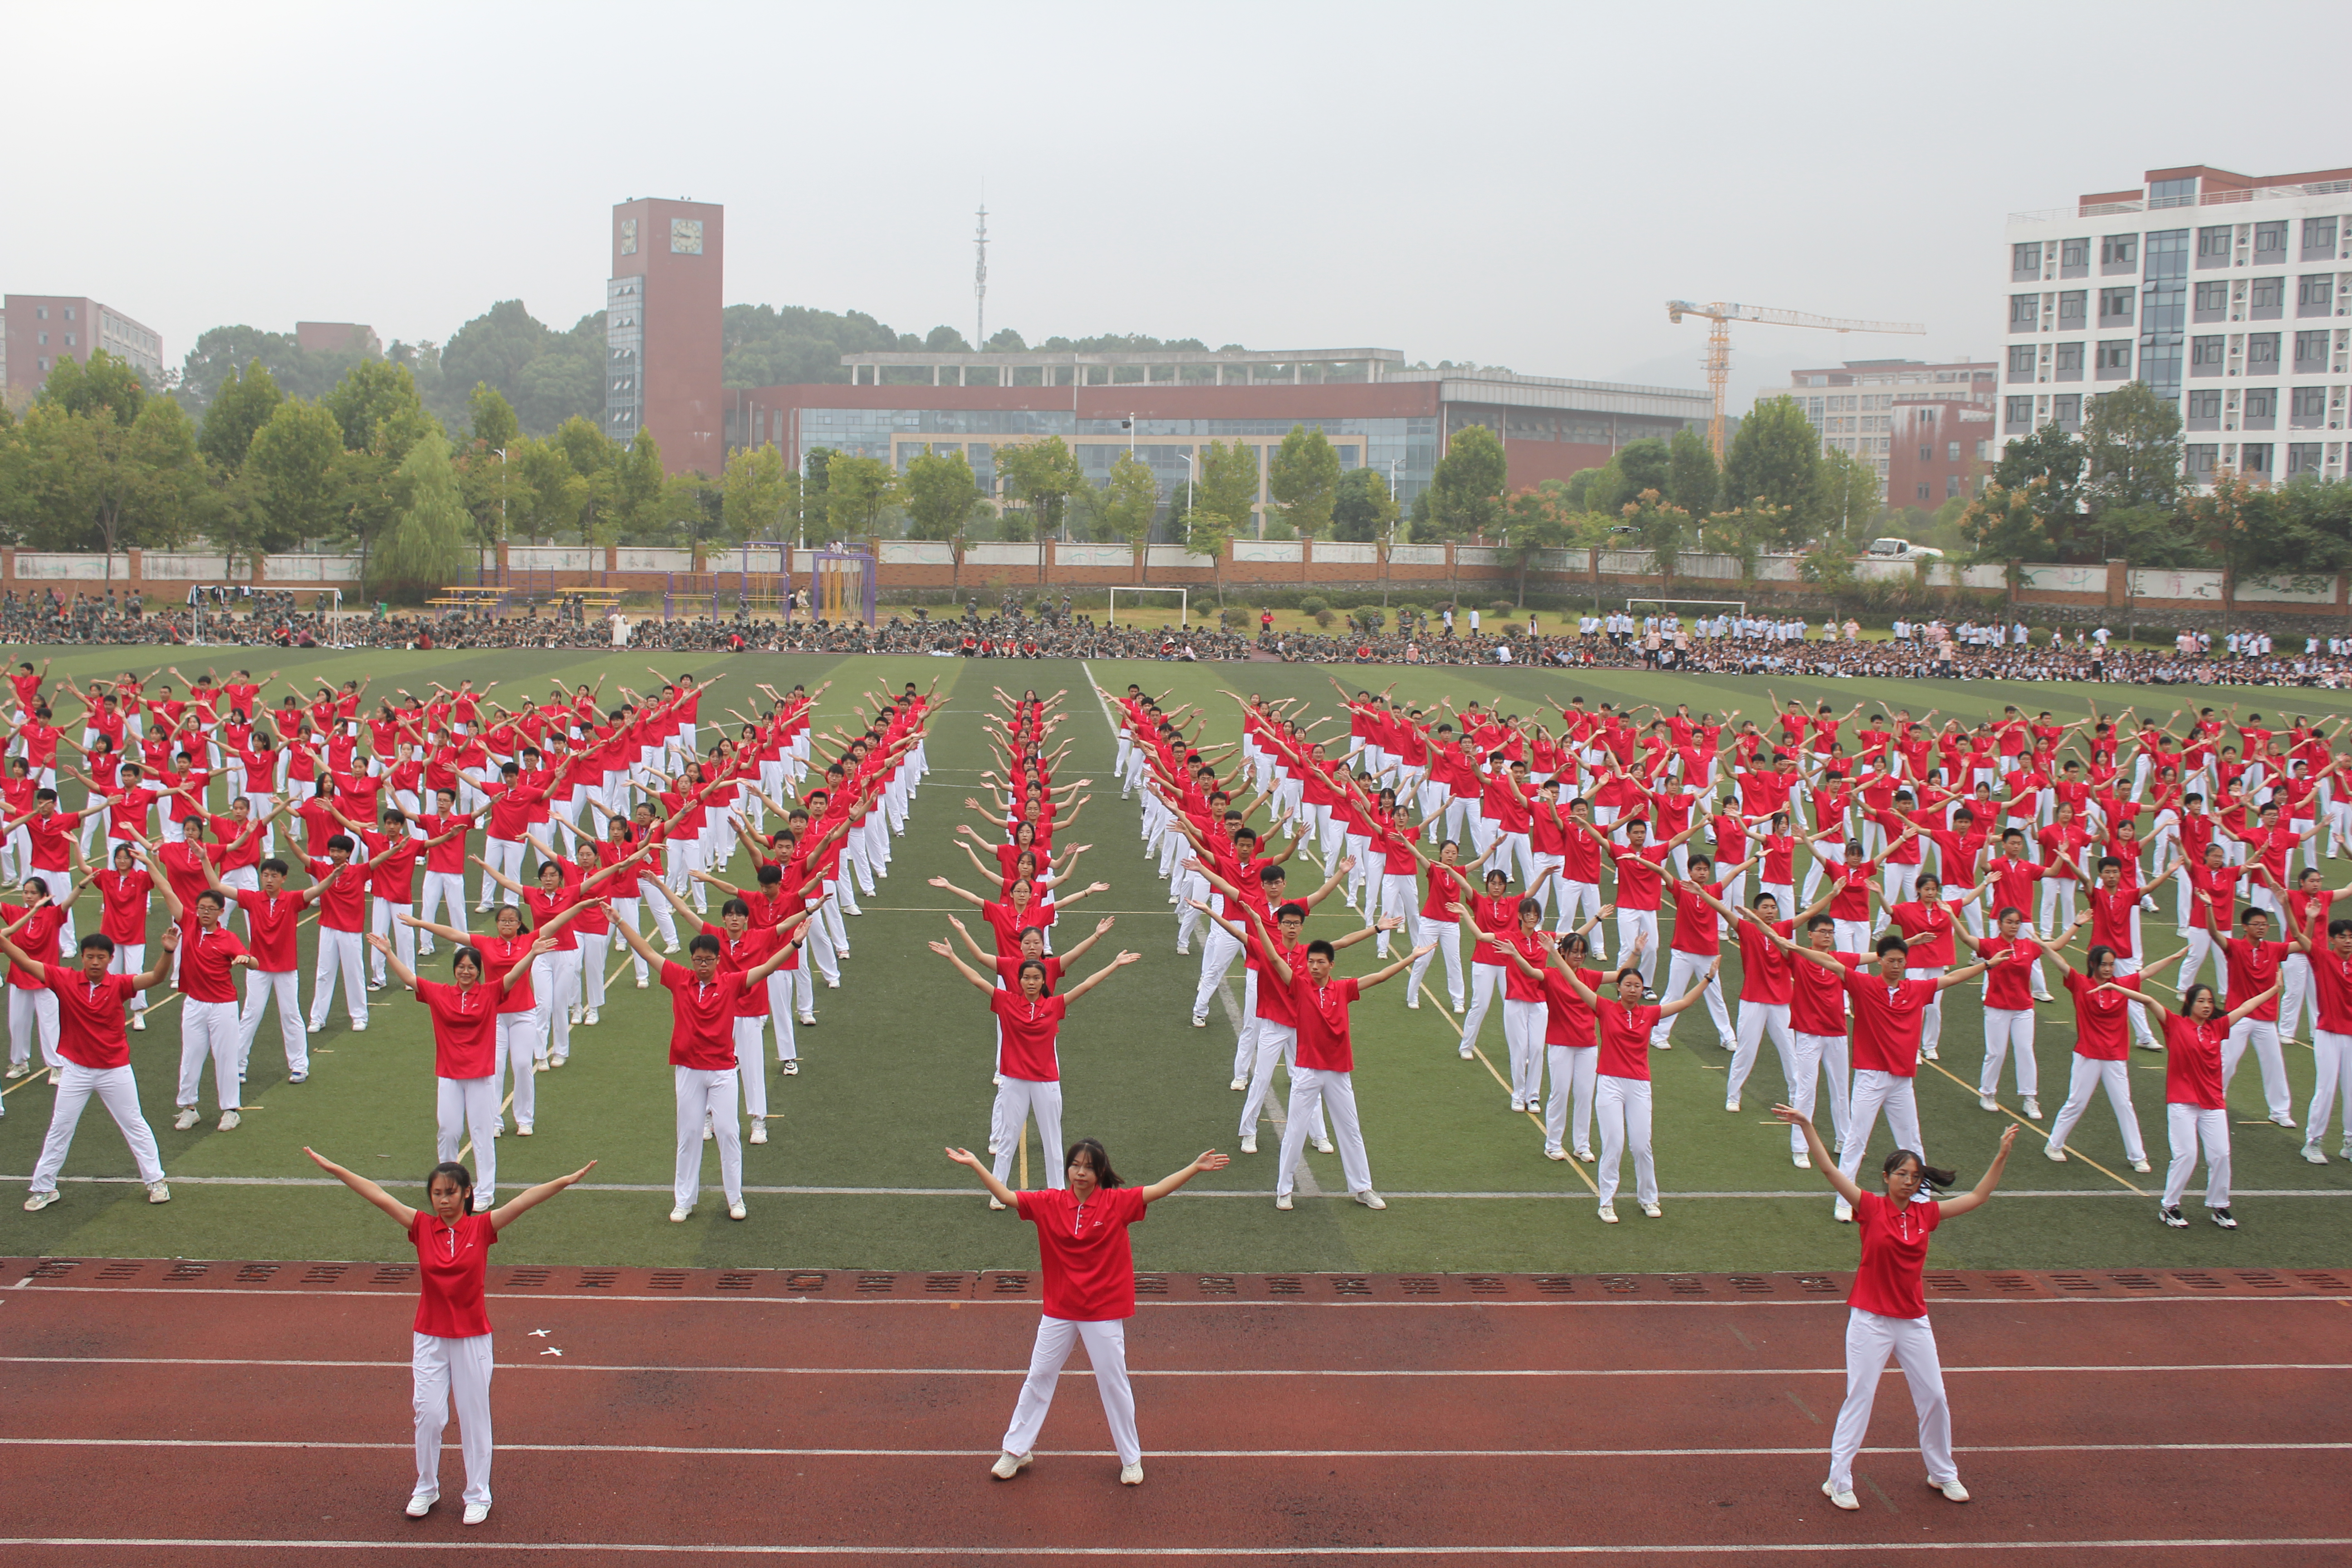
2230,294
1869,409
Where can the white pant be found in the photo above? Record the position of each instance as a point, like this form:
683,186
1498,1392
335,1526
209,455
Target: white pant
1314,1092
1632,923
1681,968
2265,1038
469,1108
1623,1105
1874,1091
1273,1043
1018,1099
2301,1003
521,1049
2009,1030
1580,902
505,858
1816,1055
595,948
1447,937
1870,1339
1400,898
1757,1020
210,1030
32,1013
555,986
1106,1343
2331,1081
2089,1076
1218,950
1523,1031
339,953
119,1093
403,937
749,1033
2187,1126
447,1371
1572,1069
444,887
260,985
1485,980
706,1094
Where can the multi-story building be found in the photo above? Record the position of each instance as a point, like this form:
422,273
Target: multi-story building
2229,295
1164,406
336,338
42,329
663,331
1926,428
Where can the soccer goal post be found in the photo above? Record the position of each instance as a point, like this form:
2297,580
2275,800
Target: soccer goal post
1736,606
1183,602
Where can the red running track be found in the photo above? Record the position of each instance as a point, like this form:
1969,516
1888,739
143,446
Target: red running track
1464,1419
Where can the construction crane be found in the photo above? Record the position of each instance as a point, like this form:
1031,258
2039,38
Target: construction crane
1719,342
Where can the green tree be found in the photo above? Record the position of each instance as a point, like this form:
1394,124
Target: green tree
856,491
2004,525
1210,534
1776,460
1129,501
292,467
1534,519
106,382
941,496
2132,443
1363,508
1693,482
757,494
1466,490
1845,499
428,544
242,405
637,489
87,481
1647,464
1304,480
494,422
376,404
1227,485
1042,476
1661,528
2044,470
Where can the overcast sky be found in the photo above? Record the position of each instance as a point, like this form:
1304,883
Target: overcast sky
1522,184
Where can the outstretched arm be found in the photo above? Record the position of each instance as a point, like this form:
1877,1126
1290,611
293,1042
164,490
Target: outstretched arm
1211,1160
399,1212
1975,1196
996,1189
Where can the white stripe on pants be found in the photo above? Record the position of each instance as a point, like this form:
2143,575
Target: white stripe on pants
2009,1030
119,1093
1874,1091
1313,1092
1106,1343
339,953
1573,1067
1018,1099
1623,1105
260,985
469,1108
2089,1075
1870,1339
447,1372
703,1094
2331,1081
209,1029
2187,1126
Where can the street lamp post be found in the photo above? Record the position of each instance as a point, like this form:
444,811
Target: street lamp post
502,515
1395,464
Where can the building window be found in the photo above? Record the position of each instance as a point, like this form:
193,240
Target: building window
2020,362
2025,261
2318,238
2172,193
40,313
2116,306
2214,245
2024,311
45,339
2018,415
2302,457
2066,411
2261,408
2206,355
2262,353
70,337
2071,306
2205,409
2267,299
2068,364
2307,407
2315,293
2254,457
2213,301
1951,451
44,364
1923,491
69,313
1984,451
2311,352
2201,459
2073,257
2270,242
1926,454
2115,359
2119,253
1951,486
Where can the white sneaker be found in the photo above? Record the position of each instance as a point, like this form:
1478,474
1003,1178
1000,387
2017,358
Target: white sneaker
736,1210
1200,1023
1802,1161
1009,1464
476,1512
2032,1109
522,1129
1323,1146
39,1201
1372,1200
833,981
1249,1144
760,1131
1842,1212
1652,1211
421,1504
558,1058
18,1069
189,1116
1608,1214
1465,1053
139,1020
1130,1475
1583,1154
358,1027
157,1193
1952,1490
2056,1156
995,1202
2312,1156
643,983
808,1020
1554,1154
1240,1086
1845,1500
709,1132
1731,1104
677,1217
1987,1102
670,947
230,1120
1281,1201
589,1018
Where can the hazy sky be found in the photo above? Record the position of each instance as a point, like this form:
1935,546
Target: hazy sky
1522,184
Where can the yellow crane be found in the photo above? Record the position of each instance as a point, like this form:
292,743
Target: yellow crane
1721,314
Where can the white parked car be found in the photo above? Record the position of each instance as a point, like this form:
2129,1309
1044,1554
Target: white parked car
1902,549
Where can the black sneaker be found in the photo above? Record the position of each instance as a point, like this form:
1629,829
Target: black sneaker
2173,1218
2224,1219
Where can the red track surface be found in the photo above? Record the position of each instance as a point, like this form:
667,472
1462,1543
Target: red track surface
2192,1418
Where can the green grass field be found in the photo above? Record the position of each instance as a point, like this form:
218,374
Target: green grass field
900,1067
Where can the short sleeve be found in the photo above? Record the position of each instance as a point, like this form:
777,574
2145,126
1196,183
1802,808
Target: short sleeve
674,975
1132,1205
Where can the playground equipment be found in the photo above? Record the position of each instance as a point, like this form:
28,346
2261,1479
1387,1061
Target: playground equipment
841,584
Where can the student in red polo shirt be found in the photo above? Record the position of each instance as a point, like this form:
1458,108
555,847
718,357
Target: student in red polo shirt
702,1061
1622,1090
95,1057
1888,1309
1323,1076
2195,1100
1089,1290
272,913
342,884
450,1341
206,977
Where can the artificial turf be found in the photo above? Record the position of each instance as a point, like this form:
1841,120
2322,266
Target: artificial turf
898,1066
